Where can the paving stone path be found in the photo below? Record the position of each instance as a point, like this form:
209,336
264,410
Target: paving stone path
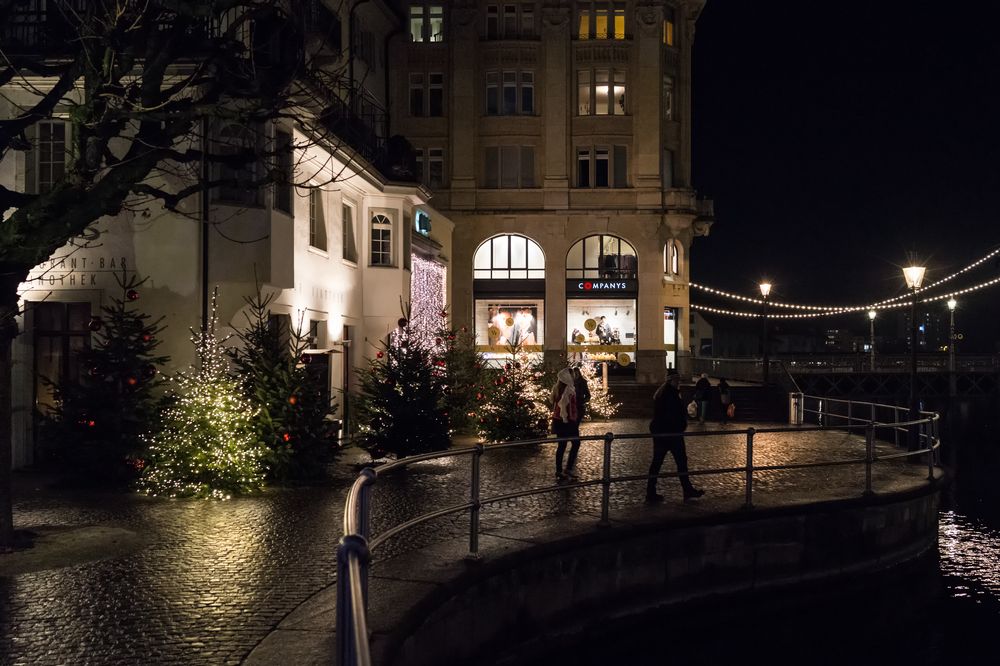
214,578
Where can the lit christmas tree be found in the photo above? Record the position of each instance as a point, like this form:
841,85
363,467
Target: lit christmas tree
465,371
601,406
98,422
402,409
514,404
207,445
293,409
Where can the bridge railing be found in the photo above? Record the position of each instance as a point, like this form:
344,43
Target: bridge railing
751,369
357,544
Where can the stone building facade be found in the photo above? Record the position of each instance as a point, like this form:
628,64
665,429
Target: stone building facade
557,137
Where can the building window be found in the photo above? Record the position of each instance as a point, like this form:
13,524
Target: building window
668,26
435,94
50,154
239,181
350,247
426,22
509,167
510,21
416,94
668,98
426,94
381,241
602,257
601,20
407,241
509,257
61,336
435,168
673,265
606,96
510,93
317,220
602,166
283,188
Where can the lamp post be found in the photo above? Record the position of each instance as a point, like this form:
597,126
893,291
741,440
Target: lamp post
914,276
871,335
952,304
765,289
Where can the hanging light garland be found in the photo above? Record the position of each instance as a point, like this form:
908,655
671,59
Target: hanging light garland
822,310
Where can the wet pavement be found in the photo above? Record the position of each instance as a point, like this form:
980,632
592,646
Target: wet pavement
212,579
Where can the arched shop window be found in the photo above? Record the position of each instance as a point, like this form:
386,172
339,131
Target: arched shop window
509,292
602,257
509,257
601,303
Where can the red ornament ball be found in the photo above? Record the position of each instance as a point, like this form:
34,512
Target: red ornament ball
518,403
292,400
91,423
402,322
286,437
379,354
451,337
147,337
132,295
479,396
437,341
131,381
95,323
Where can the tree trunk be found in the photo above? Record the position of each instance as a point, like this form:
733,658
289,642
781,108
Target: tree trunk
8,330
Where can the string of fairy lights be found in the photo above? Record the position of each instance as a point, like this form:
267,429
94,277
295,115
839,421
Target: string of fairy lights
811,311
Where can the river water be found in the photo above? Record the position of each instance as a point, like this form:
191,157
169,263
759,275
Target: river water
941,611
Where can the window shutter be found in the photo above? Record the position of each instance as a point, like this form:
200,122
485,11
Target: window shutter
31,160
621,167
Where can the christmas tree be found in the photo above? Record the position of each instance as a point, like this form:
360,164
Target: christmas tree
601,406
402,408
514,405
207,444
98,421
292,403
465,371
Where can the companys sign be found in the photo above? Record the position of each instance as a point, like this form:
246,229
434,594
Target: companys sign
601,286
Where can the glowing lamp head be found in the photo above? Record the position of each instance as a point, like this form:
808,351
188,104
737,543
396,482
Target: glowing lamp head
872,314
765,289
952,304
914,276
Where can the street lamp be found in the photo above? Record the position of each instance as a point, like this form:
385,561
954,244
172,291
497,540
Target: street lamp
914,276
765,289
952,304
871,335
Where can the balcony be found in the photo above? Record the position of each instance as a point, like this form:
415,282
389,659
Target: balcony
323,25
39,30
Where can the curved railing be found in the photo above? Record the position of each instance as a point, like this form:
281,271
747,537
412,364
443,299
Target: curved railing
829,414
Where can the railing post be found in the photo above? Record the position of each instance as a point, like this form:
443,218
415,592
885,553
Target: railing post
606,480
895,428
930,439
748,504
869,456
348,650
850,411
369,476
474,494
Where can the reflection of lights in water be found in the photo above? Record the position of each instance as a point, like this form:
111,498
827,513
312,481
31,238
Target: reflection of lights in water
971,551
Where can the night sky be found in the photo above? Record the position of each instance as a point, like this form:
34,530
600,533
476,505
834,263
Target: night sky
836,140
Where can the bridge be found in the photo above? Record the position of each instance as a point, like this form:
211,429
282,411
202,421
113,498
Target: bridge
785,504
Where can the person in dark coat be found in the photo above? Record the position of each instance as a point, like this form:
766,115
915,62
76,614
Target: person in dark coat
702,390
669,416
565,422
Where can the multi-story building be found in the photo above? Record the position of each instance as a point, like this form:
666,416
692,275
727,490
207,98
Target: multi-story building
337,252
557,137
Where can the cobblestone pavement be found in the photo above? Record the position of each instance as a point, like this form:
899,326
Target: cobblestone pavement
217,577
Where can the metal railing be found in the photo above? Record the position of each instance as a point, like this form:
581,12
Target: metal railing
357,544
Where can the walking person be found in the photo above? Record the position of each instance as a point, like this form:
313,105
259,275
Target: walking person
669,416
582,399
725,398
565,422
702,390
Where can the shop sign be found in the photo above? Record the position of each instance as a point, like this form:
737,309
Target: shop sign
601,286
422,222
